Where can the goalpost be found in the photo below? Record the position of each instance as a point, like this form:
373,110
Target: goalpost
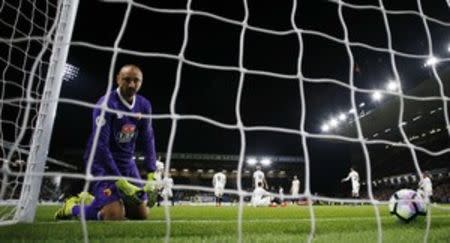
42,76
27,114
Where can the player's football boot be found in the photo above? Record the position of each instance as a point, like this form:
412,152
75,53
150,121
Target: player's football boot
65,212
86,196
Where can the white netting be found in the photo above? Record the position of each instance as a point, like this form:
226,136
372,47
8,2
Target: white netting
25,27
26,44
297,32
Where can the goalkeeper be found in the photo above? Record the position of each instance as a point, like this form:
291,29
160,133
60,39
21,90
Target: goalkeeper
119,134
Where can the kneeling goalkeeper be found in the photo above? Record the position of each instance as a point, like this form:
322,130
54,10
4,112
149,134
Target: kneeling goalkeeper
118,136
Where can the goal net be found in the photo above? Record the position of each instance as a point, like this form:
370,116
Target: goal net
304,78
34,43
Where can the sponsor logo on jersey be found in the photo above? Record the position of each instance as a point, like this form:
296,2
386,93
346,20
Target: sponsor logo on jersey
127,133
128,128
107,192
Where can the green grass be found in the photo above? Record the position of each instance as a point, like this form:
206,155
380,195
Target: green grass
211,224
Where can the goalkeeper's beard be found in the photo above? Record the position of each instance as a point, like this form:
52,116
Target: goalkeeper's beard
128,94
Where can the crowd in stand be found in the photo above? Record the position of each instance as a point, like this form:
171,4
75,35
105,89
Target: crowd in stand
441,190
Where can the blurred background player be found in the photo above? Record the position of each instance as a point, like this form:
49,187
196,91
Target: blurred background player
219,180
155,196
114,152
259,178
260,197
354,176
159,172
167,193
426,187
295,188
281,197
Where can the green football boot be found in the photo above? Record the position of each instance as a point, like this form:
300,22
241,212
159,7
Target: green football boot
65,212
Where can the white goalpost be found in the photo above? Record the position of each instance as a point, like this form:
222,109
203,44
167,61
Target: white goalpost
36,45
42,75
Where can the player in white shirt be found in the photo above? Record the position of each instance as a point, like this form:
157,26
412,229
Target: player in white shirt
155,197
219,181
167,193
258,176
295,188
281,192
426,187
354,176
260,197
159,172
281,197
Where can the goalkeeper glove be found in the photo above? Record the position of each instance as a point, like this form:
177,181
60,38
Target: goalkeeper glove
129,192
150,186
150,189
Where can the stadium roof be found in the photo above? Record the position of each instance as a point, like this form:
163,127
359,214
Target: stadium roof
423,123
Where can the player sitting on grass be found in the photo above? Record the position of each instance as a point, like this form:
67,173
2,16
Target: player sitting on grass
113,155
261,197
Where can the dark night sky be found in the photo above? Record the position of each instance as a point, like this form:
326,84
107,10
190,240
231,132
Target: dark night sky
266,101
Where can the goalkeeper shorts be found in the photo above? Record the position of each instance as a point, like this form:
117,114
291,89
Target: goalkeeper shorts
106,192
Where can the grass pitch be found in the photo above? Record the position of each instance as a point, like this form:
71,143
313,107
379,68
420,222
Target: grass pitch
211,224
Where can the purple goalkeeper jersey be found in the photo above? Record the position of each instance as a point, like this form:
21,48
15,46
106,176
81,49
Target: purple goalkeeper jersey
119,135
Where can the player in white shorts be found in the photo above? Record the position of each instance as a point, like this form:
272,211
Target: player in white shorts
258,177
260,197
280,200
295,188
167,193
159,173
426,187
354,176
219,181
156,197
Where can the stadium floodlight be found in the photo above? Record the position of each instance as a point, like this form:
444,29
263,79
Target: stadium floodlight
70,72
392,86
362,104
334,122
377,96
58,37
325,128
431,61
448,48
252,161
342,117
266,161
352,110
